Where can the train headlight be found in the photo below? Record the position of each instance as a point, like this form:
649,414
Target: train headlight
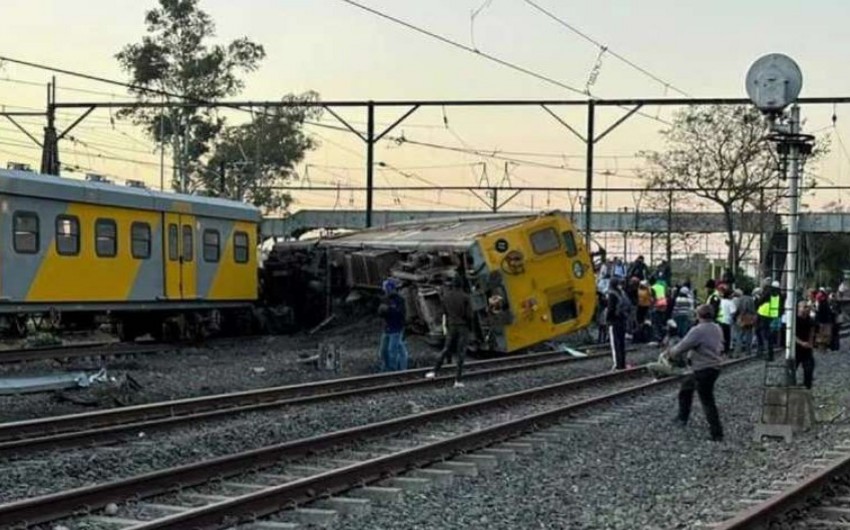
578,269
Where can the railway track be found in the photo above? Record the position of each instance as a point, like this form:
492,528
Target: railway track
234,490
819,500
109,425
83,349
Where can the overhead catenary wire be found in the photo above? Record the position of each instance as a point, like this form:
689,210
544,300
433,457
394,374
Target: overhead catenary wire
604,47
485,55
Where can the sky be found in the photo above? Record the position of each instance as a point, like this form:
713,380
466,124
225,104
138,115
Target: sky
345,53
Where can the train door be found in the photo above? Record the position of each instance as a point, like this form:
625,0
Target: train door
180,257
171,259
188,257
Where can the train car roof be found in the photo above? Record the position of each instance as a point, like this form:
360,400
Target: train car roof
28,184
450,233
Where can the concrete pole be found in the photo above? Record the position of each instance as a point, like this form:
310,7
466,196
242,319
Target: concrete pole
791,260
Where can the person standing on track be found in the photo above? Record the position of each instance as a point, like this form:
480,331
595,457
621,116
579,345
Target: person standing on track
803,354
393,350
458,311
617,315
703,345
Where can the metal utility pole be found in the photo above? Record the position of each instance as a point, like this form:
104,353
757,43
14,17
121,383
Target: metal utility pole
590,142
791,261
669,229
50,152
370,160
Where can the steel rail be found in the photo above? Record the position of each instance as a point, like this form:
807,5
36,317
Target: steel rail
275,498
27,512
760,515
83,350
109,425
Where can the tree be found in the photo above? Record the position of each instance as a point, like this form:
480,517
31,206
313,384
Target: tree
175,57
720,155
250,160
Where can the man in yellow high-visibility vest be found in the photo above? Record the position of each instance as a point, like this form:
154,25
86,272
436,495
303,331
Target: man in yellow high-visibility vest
769,308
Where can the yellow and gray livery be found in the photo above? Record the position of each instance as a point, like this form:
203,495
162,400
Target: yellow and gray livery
74,249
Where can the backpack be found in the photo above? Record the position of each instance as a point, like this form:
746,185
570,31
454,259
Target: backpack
624,306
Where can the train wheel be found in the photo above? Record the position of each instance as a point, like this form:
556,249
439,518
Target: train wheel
127,331
18,325
55,318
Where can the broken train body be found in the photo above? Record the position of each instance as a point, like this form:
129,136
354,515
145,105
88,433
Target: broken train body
530,276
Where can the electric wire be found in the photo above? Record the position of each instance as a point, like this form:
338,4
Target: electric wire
604,47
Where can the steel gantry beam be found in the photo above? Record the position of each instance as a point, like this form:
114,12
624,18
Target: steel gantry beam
51,155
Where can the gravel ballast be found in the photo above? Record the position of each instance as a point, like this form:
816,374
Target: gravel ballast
636,471
158,450
222,366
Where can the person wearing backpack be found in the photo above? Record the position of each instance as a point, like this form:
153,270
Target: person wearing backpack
617,315
644,304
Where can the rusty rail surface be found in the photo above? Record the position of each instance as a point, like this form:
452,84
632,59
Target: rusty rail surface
762,515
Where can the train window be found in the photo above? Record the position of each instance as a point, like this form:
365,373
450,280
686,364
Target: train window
173,255
240,247
67,235
212,245
106,238
188,243
25,227
545,241
140,240
570,243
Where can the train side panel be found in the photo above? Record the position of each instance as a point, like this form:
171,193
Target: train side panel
75,253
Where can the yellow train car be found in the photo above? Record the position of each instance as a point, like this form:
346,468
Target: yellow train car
530,276
74,249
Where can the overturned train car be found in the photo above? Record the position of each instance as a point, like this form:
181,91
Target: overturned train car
530,277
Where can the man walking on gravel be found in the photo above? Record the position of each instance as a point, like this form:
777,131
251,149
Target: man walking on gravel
458,311
703,346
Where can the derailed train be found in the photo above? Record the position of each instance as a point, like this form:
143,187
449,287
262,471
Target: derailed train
74,253
530,276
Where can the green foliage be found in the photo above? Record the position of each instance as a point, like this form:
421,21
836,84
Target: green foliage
255,157
720,155
175,57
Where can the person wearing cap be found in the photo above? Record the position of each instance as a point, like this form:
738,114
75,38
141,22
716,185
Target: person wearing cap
393,351
701,348
458,311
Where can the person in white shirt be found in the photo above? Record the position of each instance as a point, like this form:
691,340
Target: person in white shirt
727,317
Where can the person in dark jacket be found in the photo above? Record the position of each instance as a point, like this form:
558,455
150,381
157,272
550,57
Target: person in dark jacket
638,269
804,354
393,349
701,347
617,314
458,311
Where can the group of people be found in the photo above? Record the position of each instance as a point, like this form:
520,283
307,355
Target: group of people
729,321
457,312
635,301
